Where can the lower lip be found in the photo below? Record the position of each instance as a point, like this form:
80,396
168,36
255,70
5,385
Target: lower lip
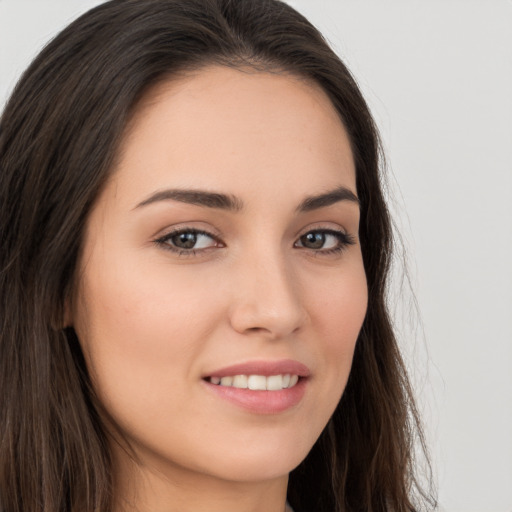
261,402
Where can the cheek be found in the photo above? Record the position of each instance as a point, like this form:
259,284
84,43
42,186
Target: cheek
138,329
343,317
340,302
338,312
142,337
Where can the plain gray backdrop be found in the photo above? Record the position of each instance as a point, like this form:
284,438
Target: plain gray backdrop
438,77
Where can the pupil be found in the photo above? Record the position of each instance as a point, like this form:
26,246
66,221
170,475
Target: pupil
314,240
185,240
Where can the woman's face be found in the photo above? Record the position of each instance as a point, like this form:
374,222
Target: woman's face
225,244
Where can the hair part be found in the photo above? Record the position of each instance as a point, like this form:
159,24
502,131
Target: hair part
60,134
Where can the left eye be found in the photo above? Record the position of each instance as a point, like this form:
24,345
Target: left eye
324,240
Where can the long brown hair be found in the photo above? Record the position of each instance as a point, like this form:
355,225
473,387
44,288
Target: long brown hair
59,135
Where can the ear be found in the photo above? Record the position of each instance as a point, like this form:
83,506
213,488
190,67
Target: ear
67,315
63,316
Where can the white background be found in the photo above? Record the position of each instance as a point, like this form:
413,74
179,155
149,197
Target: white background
438,77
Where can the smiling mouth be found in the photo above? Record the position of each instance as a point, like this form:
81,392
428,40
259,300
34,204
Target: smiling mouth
257,382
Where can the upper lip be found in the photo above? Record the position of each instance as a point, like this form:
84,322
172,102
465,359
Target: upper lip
265,368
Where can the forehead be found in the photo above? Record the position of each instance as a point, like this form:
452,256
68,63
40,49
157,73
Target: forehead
219,125
231,87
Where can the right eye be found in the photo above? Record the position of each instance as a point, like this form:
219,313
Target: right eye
187,241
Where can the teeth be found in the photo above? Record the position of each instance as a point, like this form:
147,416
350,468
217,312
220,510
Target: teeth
240,381
274,382
226,381
257,382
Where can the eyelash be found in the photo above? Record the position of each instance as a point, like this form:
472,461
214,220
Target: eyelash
164,241
344,240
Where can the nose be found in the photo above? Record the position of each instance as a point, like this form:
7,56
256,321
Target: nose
267,298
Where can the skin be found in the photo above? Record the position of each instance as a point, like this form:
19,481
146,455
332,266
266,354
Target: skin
152,323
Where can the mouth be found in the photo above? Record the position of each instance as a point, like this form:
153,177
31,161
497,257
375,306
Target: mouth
261,387
257,382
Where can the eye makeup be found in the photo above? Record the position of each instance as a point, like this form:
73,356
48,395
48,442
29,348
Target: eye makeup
185,241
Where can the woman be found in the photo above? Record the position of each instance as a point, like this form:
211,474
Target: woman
193,271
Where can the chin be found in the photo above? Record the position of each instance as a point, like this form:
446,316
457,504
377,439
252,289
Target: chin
272,468
261,460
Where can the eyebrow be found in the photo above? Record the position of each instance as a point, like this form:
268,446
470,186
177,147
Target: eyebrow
327,199
230,202
198,197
